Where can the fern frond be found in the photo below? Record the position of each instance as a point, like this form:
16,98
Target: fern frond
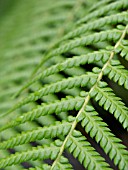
112,19
36,153
89,39
99,4
78,145
109,101
44,166
64,48
69,63
111,35
62,164
69,83
117,73
87,98
13,132
69,103
38,134
95,126
110,7
123,49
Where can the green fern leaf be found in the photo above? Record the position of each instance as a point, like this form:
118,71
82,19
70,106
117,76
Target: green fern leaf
69,60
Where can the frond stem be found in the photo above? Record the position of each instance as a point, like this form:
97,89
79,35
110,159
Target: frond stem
88,97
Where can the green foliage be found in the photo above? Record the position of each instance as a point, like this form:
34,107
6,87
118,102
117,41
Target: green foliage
63,71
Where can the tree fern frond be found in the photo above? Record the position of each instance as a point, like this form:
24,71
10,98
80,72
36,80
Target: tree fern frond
87,100
89,39
58,86
69,103
117,73
4,154
38,134
112,19
69,63
13,132
110,7
111,35
99,4
44,166
62,164
109,101
78,145
36,153
63,48
95,126
123,49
